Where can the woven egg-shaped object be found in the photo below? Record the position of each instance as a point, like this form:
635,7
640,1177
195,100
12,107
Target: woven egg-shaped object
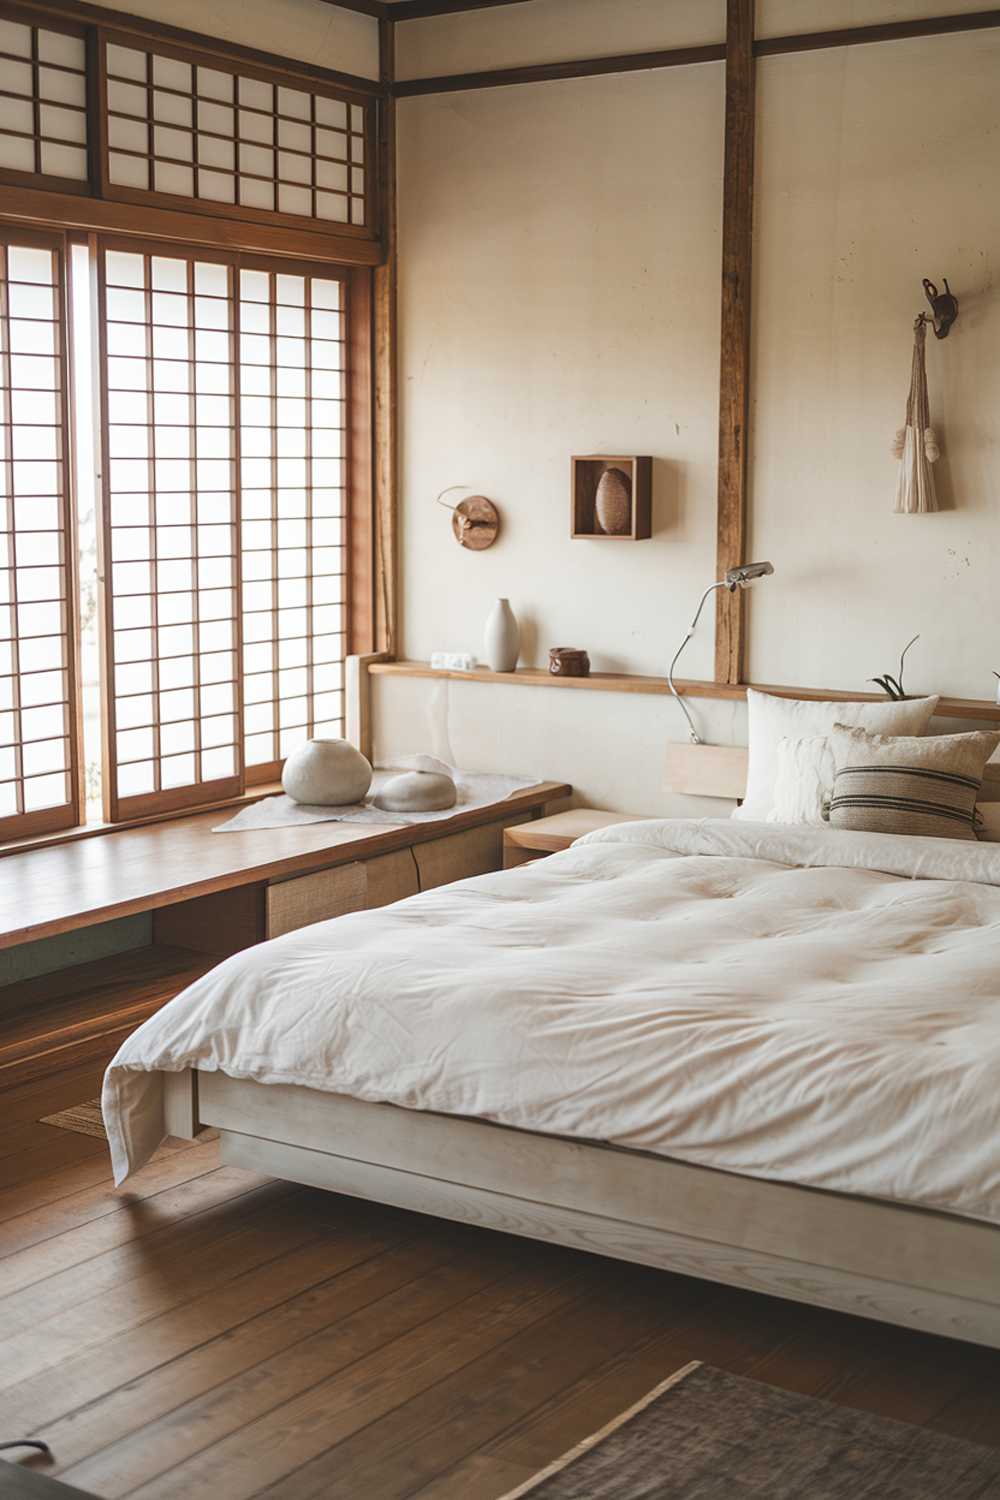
613,503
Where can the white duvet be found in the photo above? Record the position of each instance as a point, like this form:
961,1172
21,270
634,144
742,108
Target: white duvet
811,1006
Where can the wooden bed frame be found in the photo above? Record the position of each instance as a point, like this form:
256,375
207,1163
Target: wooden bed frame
897,1264
902,1265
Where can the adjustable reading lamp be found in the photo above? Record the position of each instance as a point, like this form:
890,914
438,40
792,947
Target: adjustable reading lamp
736,578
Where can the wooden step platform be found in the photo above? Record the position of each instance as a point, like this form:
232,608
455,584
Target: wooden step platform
84,1013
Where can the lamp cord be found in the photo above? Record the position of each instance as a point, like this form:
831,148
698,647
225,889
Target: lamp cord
696,738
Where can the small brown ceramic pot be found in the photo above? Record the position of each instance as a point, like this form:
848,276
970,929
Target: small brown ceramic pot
568,661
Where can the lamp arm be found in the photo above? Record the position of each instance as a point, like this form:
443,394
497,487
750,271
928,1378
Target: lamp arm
695,736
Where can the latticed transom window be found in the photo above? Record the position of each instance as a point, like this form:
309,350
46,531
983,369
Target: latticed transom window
43,102
193,131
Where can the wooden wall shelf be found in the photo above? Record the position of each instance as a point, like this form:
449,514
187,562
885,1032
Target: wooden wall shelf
586,473
625,682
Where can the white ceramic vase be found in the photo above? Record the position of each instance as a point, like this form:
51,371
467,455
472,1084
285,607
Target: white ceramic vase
326,773
502,638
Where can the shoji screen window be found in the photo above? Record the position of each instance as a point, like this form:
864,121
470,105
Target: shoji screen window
293,473
167,325
43,105
256,144
38,764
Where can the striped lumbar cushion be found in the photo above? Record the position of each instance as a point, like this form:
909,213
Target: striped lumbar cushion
892,784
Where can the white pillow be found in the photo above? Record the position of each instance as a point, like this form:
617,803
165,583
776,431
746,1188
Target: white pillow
804,774
772,719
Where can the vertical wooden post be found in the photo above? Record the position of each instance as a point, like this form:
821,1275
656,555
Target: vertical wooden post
384,322
734,381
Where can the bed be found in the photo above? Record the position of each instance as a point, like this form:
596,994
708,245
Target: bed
762,1055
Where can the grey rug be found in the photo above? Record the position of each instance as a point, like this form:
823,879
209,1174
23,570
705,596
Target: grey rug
706,1435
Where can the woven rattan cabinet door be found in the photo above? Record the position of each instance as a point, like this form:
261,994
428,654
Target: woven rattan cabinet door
292,904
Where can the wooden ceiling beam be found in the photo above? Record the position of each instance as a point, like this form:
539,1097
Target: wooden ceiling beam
885,31
88,14
377,9
590,67
419,10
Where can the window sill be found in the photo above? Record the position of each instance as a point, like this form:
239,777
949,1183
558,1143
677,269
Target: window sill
97,830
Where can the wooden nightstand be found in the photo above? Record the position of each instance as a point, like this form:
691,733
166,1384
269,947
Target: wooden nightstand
528,841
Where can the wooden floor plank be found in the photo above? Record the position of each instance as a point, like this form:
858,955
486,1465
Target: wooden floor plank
178,1338
26,1135
90,1376
455,1417
249,1238
50,1153
718,1325
167,1170
276,1359
265,1450
65,1175
277,1310
974,1415
59,1259
65,1179
43,1096
33,1306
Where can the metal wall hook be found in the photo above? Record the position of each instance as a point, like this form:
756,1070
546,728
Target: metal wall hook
944,308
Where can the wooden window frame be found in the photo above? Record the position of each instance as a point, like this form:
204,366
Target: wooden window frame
183,798
75,212
274,76
358,608
98,28
269,771
10,176
67,815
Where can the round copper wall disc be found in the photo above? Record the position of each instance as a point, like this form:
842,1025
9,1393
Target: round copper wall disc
475,523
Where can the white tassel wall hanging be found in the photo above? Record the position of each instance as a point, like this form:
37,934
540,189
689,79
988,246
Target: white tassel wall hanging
916,445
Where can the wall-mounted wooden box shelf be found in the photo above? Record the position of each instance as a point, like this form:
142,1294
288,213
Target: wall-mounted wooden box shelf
587,472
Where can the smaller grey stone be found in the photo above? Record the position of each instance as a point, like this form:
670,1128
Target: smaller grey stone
417,791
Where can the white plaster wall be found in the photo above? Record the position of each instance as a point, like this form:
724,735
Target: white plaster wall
552,31
876,166
559,293
610,746
310,30
559,250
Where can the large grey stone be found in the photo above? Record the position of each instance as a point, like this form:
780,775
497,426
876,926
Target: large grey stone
327,773
417,791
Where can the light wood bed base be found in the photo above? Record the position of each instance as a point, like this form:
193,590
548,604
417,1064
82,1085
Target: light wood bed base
896,1264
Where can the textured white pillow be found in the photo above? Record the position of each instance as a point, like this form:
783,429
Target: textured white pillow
804,774
772,719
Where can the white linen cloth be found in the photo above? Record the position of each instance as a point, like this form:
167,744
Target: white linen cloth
811,1006
473,789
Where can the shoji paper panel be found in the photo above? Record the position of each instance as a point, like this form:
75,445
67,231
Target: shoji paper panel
167,346
43,96
190,131
37,682
293,461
